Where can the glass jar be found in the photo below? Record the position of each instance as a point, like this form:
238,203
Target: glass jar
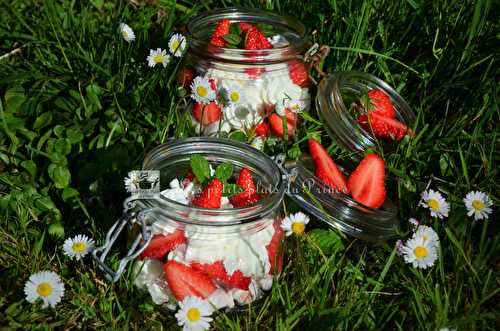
246,240
264,75
337,92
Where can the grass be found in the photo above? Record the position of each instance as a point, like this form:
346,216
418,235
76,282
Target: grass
80,108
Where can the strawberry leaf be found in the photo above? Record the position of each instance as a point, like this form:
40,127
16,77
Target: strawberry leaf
231,189
224,171
201,168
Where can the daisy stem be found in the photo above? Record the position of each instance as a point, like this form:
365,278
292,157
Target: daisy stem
483,237
305,269
201,120
220,123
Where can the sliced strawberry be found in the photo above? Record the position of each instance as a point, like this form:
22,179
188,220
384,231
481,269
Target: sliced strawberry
245,27
274,253
325,169
367,182
265,43
218,272
254,72
210,115
220,31
253,40
262,129
185,78
395,129
161,244
248,197
185,281
380,129
380,103
276,122
298,73
189,177
210,197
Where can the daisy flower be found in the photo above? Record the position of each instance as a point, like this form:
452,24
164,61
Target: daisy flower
296,106
131,181
428,233
46,285
446,329
280,108
158,56
78,246
296,223
194,314
399,247
222,99
413,223
257,143
436,204
127,32
478,203
237,96
422,253
177,44
202,90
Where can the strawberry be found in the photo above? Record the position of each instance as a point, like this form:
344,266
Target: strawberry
210,196
385,127
248,197
367,182
275,255
325,169
298,73
210,115
253,40
380,103
245,27
265,43
218,272
161,244
185,281
189,177
220,31
184,79
276,122
380,129
254,72
261,129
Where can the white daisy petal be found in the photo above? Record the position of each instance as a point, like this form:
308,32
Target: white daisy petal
478,203
237,96
78,247
295,223
222,99
436,204
127,32
177,44
428,233
45,285
399,247
296,106
202,90
421,253
413,223
194,314
158,56
280,107
131,181
257,143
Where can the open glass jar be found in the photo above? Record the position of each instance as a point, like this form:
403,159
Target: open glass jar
246,241
264,76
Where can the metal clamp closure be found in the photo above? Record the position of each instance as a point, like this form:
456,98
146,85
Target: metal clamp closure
289,177
315,55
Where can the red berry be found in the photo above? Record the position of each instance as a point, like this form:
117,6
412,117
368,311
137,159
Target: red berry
210,115
276,122
385,127
261,129
274,253
160,244
367,182
298,73
210,197
185,281
218,273
185,78
189,177
380,129
325,169
253,40
220,31
248,197
380,103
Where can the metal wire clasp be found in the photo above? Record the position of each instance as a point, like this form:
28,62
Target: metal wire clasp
314,56
289,177
128,217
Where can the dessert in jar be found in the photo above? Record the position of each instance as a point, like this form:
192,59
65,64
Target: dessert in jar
228,255
252,77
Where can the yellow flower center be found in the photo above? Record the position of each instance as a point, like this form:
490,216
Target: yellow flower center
176,45
222,99
434,204
235,96
124,34
478,205
193,314
78,247
298,228
44,289
420,252
158,59
202,91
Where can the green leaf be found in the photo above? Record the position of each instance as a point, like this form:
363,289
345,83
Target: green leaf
231,189
232,39
56,230
97,3
62,176
94,89
327,240
30,166
59,130
238,136
201,168
70,196
62,146
235,29
445,165
45,204
13,105
94,99
97,187
43,120
224,171
89,171
74,136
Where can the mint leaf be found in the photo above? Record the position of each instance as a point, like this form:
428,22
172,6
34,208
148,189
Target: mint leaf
235,29
201,168
231,189
232,39
224,171
327,240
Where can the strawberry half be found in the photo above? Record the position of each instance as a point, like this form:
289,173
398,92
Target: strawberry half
380,129
185,281
210,115
275,255
276,122
325,169
218,273
253,40
380,103
221,30
392,128
161,244
210,197
248,197
189,177
185,78
367,182
298,73
262,129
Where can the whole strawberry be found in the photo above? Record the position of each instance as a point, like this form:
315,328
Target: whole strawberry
210,197
220,31
380,103
253,40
